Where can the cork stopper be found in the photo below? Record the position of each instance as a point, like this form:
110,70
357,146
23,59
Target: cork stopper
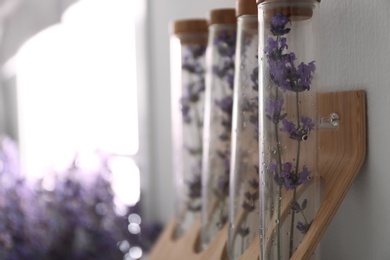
261,1
189,26
223,16
246,7
295,13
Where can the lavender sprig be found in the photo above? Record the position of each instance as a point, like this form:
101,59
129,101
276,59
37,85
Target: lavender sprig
225,44
287,76
192,93
249,108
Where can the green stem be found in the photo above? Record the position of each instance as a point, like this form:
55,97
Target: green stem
297,107
292,226
278,221
296,173
278,227
304,217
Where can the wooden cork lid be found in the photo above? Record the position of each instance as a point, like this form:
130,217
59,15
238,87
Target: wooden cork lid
295,13
223,16
246,7
261,1
189,26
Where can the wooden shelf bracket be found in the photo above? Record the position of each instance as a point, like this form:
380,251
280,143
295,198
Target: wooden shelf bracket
342,150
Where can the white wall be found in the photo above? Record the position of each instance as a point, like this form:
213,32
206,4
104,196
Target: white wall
356,55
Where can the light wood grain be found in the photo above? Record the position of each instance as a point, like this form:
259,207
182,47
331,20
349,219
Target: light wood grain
165,244
342,154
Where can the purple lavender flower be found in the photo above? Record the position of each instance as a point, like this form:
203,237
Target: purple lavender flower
278,71
303,227
304,176
230,79
282,70
287,176
274,110
226,104
305,75
293,180
192,91
279,176
300,133
254,183
222,189
250,197
296,207
307,123
185,111
271,46
226,43
197,51
243,231
192,68
278,24
255,79
289,127
217,71
194,187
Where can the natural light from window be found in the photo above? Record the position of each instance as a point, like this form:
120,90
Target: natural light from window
77,92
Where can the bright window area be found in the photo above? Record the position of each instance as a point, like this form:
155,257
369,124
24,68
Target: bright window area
77,92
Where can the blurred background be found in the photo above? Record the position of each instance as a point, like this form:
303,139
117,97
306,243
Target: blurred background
85,103
85,126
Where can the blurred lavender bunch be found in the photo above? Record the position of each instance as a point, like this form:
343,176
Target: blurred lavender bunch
287,76
192,63
80,215
70,215
192,115
225,44
17,240
251,108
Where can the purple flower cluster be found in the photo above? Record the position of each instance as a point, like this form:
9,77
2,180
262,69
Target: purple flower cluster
252,107
278,24
303,227
226,104
192,64
287,177
298,133
251,197
274,110
225,43
194,190
282,68
255,79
